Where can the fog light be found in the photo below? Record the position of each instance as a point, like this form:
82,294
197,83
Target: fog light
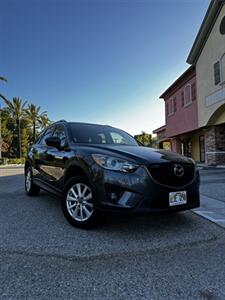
113,196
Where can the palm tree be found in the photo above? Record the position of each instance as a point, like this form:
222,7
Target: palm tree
4,98
34,117
44,121
3,79
16,110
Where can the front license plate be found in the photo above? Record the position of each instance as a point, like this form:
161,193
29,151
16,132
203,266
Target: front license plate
177,198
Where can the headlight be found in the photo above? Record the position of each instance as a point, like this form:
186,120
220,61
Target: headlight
114,163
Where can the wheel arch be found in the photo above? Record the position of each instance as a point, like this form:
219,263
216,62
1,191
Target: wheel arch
27,164
74,170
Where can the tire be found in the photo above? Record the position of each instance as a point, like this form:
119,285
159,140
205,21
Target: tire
30,188
77,203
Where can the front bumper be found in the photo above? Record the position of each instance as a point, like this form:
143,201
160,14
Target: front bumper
137,192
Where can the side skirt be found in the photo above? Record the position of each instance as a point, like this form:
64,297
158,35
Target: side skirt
47,187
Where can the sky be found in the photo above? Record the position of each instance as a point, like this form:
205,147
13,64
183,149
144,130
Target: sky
97,61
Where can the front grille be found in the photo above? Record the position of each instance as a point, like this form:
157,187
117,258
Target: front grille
164,174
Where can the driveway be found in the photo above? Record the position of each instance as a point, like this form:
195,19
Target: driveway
177,256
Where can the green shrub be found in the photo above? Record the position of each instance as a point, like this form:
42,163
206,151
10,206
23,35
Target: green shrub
16,161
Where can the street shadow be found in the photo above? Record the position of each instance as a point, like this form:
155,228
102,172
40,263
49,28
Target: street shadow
14,185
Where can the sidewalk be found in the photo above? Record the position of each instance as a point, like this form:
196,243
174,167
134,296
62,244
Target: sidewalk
212,190
11,166
212,209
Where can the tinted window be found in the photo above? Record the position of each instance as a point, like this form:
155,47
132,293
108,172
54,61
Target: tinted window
47,134
97,134
60,133
117,138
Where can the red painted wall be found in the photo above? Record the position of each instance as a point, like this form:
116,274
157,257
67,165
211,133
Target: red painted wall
185,119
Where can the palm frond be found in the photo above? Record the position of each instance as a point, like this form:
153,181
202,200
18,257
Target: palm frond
3,97
3,79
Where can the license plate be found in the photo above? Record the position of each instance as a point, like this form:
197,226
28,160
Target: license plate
177,198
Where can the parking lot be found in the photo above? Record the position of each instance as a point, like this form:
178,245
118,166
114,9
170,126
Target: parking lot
177,256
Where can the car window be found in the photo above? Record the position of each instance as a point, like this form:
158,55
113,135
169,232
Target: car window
60,133
100,134
117,138
102,138
48,133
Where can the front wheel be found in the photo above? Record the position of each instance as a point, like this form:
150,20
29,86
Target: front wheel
77,203
30,188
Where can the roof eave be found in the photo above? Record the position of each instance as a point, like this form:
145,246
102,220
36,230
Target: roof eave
204,31
185,73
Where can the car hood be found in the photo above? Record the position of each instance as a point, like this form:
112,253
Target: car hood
144,155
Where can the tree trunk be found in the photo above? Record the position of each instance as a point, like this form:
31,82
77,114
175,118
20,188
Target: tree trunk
34,131
18,133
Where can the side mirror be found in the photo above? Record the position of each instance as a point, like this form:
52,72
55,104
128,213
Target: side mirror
53,141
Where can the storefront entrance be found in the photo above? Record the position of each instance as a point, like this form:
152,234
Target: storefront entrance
186,147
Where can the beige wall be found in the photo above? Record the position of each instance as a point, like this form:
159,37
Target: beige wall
207,91
220,119
195,151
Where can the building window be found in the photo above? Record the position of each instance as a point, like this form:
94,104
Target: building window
186,147
222,26
187,95
222,64
182,98
193,91
217,72
171,106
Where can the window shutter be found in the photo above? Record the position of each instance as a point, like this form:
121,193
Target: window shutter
182,98
217,72
174,104
193,91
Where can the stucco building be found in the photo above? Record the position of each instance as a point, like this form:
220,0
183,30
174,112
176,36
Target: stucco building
208,57
195,102
181,114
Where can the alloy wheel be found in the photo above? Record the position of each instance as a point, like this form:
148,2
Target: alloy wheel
79,202
28,180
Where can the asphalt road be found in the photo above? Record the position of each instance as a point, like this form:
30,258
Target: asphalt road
178,256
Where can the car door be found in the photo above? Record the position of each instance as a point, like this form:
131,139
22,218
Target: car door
38,153
55,159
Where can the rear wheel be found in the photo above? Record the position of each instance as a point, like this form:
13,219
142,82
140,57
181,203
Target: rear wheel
77,203
30,188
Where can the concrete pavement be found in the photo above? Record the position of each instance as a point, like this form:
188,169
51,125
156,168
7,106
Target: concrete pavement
212,190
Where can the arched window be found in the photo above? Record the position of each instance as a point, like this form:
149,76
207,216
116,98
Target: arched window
222,26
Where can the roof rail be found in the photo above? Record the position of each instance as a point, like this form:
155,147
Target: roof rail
60,121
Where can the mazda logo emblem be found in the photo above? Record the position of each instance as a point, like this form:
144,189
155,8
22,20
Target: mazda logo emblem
178,170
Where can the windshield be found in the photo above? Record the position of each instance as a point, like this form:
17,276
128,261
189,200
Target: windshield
100,134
